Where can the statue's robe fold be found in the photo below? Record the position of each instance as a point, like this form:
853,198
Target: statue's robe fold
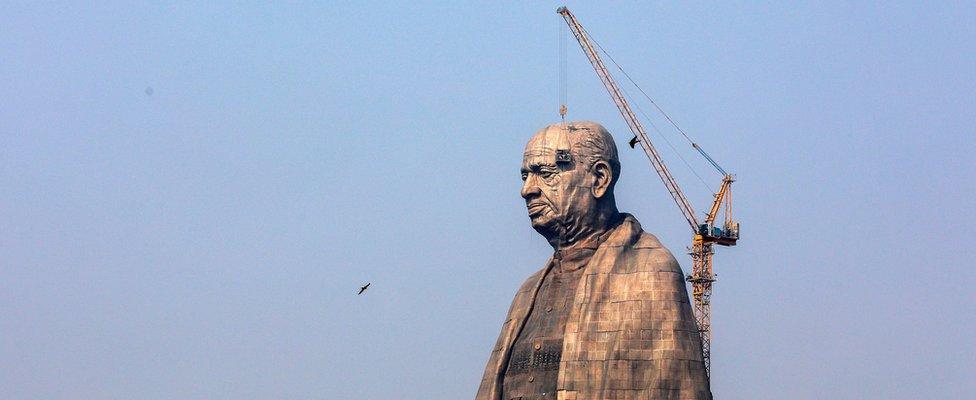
631,333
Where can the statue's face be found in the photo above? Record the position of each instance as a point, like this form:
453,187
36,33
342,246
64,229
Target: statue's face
557,194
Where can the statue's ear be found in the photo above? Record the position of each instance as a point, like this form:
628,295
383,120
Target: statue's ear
602,176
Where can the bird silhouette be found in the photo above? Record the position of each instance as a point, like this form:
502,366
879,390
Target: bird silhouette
633,142
363,289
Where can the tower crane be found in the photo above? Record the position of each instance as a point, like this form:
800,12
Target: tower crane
706,234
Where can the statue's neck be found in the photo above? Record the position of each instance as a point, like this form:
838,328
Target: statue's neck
592,231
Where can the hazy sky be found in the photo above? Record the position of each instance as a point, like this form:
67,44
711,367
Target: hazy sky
191,195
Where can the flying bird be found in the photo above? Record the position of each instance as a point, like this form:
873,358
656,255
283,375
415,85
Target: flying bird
633,142
363,289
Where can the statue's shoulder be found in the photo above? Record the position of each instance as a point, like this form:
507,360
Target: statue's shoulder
646,253
629,234
656,257
531,282
646,240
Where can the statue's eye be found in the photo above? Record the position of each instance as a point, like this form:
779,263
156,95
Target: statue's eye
547,173
525,176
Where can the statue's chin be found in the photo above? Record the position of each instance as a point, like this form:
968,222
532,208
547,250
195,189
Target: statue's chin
543,224
547,227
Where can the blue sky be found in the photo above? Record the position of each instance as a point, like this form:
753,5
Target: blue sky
205,239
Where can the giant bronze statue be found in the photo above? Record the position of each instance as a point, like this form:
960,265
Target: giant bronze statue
608,316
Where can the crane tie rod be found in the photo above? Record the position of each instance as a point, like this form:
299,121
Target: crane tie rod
668,141
659,109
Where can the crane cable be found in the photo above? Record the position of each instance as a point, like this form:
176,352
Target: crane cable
659,109
561,78
661,135
562,98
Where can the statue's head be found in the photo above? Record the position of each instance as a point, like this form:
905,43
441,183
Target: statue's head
569,171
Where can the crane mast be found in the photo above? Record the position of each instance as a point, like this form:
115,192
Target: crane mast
705,235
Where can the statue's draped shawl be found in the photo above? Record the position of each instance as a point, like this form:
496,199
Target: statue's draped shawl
631,333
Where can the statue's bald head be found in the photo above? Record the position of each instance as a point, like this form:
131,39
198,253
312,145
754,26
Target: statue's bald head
587,142
570,170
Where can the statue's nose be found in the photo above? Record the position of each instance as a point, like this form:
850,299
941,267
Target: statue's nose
529,187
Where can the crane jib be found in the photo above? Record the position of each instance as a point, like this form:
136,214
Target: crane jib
705,235
683,204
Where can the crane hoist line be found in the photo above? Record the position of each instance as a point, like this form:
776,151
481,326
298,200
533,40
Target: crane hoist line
705,233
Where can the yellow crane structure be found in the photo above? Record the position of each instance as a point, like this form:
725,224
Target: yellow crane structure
706,234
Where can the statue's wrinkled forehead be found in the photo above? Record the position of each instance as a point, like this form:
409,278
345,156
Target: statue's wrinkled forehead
543,147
